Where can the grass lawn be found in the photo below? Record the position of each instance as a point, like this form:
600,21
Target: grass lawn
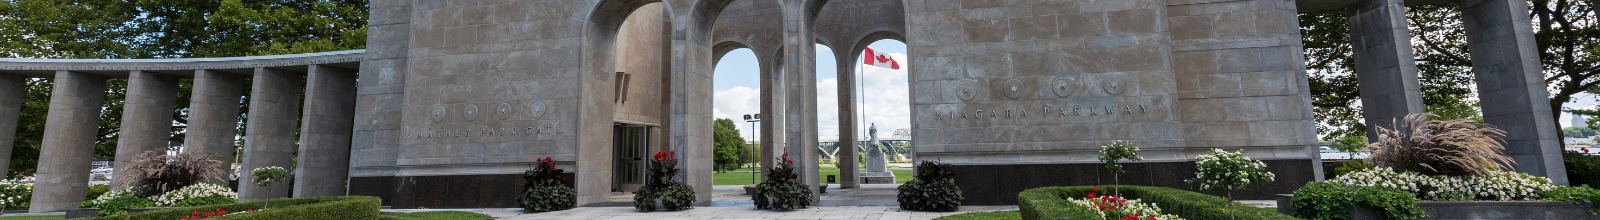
1000,215
38,217
432,215
743,177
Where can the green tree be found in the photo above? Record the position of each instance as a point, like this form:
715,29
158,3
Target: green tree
726,151
1565,33
1578,132
1350,143
161,29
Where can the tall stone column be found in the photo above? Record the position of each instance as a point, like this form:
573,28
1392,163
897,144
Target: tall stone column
799,70
773,113
213,115
146,120
1384,66
13,89
269,138
324,162
1505,62
68,144
848,174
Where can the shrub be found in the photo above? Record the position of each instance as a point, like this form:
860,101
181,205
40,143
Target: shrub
16,195
1449,147
118,201
1328,200
933,189
780,190
1118,150
1228,171
674,195
95,191
342,207
1582,168
1494,185
267,176
543,191
1349,166
197,195
1576,194
1051,203
157,173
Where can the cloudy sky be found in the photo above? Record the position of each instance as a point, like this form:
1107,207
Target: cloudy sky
887,99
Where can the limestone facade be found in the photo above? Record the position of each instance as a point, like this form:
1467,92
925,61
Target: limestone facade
453,100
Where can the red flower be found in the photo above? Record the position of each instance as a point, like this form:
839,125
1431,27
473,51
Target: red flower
1132,217
1585,150
1091,195
207,215
1097,189
1152,218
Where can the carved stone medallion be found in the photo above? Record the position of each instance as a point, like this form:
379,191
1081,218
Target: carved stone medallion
1066,87
536,110
471,112
503,111
438,113
966,90
1113,86
1013,88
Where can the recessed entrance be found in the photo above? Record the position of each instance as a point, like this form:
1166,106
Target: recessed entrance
631,142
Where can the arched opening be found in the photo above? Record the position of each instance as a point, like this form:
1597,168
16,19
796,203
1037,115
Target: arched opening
623,116
883,108
736,108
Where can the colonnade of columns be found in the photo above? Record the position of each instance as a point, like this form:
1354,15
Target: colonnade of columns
272,132
1505,63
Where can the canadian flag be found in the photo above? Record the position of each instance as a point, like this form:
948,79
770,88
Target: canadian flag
880,60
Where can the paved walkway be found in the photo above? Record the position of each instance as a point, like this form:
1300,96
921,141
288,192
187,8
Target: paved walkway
871,201
815,212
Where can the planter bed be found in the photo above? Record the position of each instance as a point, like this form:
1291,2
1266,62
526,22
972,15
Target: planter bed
1494,210
1051,203
1477,210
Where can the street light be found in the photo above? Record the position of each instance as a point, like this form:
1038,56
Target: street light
752,118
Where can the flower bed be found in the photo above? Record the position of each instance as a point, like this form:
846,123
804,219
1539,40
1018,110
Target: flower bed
342,207
1053,203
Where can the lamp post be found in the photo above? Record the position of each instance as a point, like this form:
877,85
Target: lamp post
752,118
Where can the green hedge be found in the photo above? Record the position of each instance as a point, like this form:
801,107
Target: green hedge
341,207
1051,203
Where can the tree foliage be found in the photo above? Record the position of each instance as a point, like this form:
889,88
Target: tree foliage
120,29
1565,32
727,145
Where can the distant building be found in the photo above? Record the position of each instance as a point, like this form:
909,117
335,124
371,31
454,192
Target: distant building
1579,120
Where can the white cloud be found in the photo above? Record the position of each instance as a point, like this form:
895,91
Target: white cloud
734,103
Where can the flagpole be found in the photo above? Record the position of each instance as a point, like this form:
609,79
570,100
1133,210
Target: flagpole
861,101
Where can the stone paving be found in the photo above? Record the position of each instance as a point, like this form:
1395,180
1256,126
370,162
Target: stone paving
871,201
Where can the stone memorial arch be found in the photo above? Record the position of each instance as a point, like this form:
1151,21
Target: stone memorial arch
453,100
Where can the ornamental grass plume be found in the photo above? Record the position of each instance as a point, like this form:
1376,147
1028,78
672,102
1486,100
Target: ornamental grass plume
1447,147
159,173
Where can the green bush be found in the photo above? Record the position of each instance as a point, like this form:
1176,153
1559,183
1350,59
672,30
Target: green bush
1576,194
96,190
16,195
1582,168
543,191
1350,166
674,195
781,190
934,189
342,207
1050,203
1325,200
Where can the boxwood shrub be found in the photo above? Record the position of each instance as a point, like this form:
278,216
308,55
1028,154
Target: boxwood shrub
340,207
1051,203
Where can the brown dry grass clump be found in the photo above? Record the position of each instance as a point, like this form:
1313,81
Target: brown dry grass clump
1447,147
156,172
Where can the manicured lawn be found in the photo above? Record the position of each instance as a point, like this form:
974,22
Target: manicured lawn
743,177
452,215
1001,215
37,217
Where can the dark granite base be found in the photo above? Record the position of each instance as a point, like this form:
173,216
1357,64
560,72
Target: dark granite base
464,191
999,184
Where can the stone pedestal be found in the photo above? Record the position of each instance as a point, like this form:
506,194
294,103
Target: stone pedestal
877,178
